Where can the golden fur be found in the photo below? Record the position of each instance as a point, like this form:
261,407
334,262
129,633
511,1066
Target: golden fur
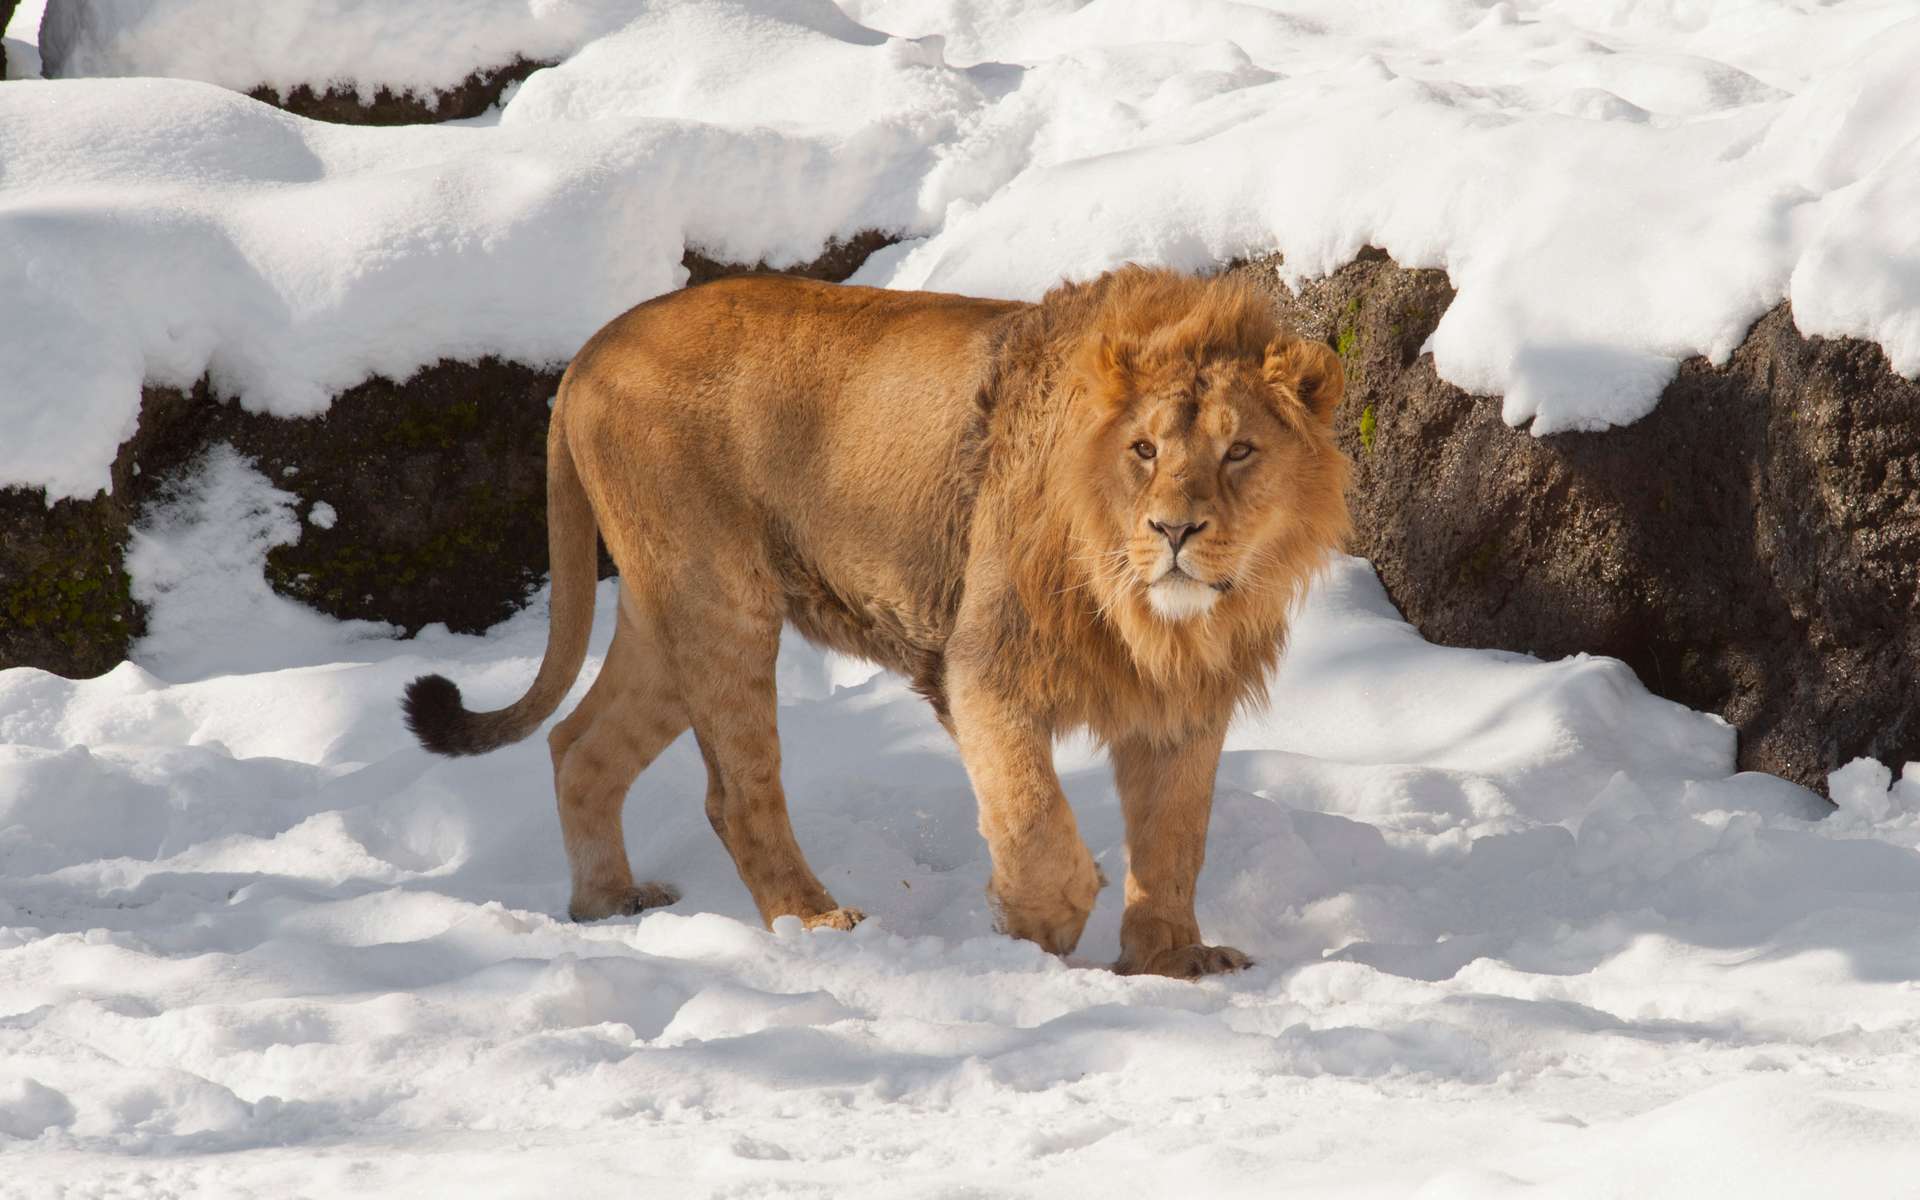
1096,511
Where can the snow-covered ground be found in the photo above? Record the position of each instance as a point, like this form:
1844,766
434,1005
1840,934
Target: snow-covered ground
1519,929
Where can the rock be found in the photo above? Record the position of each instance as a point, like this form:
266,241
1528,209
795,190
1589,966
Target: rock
64,598
86,37
1751,548
343,105
6,17
836,262
437,485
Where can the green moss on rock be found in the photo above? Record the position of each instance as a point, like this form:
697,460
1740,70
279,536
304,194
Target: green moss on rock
65,599
438,485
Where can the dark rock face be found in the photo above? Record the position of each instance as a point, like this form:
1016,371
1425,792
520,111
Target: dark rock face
343,106
438,483
838,260
6,15
1751,548
64,597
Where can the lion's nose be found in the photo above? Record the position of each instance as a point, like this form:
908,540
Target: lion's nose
1175,532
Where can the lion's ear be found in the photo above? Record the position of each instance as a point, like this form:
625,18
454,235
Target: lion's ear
1110,362
1310,370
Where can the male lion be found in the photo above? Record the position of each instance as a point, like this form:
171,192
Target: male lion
1095,511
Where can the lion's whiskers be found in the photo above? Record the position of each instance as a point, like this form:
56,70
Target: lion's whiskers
1105,566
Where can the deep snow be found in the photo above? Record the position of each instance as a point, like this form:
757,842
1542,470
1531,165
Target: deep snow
1612,186
1517,928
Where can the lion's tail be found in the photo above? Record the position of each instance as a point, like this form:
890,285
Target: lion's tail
432,703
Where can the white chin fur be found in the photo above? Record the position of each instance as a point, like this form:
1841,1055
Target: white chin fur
1181,599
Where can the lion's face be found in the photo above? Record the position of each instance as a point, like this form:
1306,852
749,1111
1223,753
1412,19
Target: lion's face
1206,472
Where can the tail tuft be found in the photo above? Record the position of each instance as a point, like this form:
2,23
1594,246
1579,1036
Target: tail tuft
441,722
432,702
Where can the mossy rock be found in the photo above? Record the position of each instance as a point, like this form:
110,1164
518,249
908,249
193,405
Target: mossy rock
64,595
837,261
66,603
6,15
343,105
437,483
437,486
1750,548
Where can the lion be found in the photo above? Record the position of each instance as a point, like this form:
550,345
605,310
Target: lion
1092,512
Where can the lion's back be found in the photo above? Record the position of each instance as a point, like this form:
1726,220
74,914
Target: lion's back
785,364
838,427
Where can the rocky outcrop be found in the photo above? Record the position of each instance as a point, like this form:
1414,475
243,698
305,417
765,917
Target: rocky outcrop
86,37
437,484
839,259
65,602
344,105
6,16
1751,548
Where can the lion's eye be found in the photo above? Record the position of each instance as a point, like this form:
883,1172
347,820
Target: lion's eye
1238,451
1144,449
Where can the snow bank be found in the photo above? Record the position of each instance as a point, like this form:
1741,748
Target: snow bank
422,46
1611,187
289,260
1516,927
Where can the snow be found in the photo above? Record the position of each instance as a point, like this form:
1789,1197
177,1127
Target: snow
1517,926
402,47
1866,794
1611,187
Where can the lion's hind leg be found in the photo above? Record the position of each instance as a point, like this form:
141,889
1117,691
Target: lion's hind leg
628,717
726,657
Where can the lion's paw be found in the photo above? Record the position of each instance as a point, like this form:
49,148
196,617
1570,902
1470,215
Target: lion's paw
622,903
1053,914
1053,922
1188,962
835,918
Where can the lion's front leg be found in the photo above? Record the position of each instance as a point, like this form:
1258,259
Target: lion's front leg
1167,794
1044,880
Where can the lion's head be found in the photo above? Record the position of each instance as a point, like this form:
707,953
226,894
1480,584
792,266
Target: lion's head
1204,484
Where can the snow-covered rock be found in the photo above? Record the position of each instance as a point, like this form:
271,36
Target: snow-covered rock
422,46
1689,169
1751,548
